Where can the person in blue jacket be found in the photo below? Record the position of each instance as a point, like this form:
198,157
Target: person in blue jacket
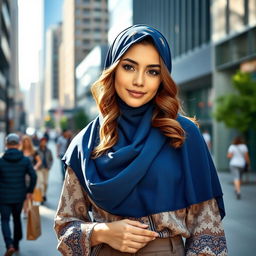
14,166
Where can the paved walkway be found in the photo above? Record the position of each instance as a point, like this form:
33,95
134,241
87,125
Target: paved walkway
240,220
239,223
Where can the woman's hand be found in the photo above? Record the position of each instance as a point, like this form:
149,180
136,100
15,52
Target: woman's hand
124,235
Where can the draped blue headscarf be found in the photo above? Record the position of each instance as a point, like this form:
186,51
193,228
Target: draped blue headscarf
143,174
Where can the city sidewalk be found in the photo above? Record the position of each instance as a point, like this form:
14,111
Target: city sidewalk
239,223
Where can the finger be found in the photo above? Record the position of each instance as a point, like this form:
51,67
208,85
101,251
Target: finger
136,223
142,239
133,245
143,232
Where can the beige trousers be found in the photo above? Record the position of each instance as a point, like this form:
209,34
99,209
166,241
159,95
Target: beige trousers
172,246
44,179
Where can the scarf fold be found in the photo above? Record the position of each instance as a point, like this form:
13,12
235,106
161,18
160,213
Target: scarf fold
142,174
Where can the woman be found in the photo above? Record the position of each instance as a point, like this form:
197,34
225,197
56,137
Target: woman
141,168
239,158
28,150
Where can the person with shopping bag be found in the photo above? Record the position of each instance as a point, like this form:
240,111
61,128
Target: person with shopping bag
29,150
14,167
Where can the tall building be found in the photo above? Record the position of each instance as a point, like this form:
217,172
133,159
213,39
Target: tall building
5,60
186,25
209,41
8,63
85,25
87,72
51,87
33,105
51,38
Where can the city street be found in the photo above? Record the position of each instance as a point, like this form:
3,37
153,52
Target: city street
239,223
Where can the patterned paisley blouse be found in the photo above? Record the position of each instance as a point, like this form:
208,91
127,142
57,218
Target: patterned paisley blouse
200,224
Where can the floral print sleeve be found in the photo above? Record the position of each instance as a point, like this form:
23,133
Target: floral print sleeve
206,232
73,225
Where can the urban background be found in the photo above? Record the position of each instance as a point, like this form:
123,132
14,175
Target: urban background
51,51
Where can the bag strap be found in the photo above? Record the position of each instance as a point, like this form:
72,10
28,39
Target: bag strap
30,202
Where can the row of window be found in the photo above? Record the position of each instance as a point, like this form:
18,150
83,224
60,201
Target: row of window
186,24
232,16
89,21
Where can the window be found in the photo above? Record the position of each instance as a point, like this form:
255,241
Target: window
252,12
86,20
97,20
236,15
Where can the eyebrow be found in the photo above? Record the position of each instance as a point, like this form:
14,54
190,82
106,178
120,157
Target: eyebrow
136,63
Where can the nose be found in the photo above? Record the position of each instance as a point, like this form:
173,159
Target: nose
138,79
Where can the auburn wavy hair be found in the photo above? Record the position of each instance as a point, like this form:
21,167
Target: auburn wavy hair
166,110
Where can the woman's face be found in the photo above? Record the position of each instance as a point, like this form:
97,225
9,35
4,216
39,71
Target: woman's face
26,142
137,77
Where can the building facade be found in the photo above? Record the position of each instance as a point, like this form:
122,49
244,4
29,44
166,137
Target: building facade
234,48
51,88
87,72
8,65
85,25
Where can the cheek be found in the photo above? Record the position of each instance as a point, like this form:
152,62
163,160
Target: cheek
121,80
155,88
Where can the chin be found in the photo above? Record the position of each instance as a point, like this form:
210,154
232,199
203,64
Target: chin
135,103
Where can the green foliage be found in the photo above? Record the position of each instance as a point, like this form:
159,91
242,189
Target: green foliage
238,110
63,123
49,122
80,120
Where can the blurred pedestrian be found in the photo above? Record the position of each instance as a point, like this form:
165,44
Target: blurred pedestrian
29,151
62,144
239,158
207,139
47,160
46,135
14,166
141,168
35,140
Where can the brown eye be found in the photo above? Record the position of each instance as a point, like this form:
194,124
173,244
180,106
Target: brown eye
128,67
154,72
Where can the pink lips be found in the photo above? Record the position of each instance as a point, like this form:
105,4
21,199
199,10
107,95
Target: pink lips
136,94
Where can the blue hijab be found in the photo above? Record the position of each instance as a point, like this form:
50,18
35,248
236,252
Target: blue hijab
142,174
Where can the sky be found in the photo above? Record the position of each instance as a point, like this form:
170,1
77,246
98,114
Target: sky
31,26
30,41
53,13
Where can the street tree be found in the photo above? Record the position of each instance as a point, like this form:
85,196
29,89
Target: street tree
238,110
80,119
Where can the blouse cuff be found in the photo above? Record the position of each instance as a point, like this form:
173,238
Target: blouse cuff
207,236
206,245
75,238
88,229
